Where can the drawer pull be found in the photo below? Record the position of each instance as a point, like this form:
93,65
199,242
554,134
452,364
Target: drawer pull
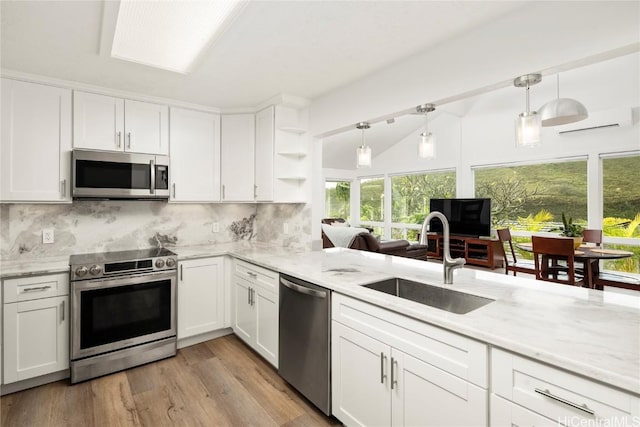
547,393
38,288
254,275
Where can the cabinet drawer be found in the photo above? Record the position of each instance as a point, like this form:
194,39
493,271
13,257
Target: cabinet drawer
257,275
35,287
507,414
448,351
557,394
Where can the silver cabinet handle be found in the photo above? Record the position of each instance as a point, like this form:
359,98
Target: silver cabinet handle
253,296
393,379
152,184
38,288
63,310
63,188
119,139
583,407
255,191
382,375
128,139
249,296
181,273
302,289
254,275
223,192
174,190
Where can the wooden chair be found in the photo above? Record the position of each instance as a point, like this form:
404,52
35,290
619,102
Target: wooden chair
504,235
548,250
592,236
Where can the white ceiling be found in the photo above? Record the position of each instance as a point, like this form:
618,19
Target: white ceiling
302,48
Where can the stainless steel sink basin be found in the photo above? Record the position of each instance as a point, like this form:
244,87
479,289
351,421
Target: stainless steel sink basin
433,296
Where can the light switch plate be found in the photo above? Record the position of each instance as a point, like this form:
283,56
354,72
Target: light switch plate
47,236
216,227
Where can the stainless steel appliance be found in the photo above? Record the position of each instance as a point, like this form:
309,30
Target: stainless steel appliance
109,175
305,339
123,310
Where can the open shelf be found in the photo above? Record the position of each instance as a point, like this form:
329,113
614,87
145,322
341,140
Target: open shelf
292,178
290,129
294,154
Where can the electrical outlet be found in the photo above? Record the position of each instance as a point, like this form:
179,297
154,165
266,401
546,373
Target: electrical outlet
47,236
216,227
285,228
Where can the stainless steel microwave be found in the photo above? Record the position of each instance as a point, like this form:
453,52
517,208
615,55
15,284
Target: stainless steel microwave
109,175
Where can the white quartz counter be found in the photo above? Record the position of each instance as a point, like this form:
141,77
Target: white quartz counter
588,332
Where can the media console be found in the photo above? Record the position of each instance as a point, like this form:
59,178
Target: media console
485,252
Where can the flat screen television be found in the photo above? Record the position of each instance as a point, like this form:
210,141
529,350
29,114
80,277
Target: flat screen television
467,217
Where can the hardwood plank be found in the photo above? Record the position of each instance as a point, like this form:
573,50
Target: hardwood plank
113,404
258,378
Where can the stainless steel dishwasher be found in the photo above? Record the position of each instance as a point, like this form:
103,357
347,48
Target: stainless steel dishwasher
305,339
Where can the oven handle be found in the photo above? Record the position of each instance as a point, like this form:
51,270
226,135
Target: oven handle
124,280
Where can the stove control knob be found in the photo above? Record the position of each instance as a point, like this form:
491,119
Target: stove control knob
159,263
171,262
81,271
95,270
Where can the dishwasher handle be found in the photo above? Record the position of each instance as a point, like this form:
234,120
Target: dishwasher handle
302,289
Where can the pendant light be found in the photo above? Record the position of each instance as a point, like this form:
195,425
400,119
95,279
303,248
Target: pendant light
528,124
562,111
427,143
364,151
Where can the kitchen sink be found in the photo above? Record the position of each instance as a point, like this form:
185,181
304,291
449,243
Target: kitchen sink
433,296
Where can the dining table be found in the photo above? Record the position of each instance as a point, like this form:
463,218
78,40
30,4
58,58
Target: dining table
589,256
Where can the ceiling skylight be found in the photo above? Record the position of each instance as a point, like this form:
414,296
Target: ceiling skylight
170,34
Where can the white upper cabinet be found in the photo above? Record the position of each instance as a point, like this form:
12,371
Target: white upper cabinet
265,121
237,154
36,143
195,156
106,123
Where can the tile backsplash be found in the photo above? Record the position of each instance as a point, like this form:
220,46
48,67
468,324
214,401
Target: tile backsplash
96,226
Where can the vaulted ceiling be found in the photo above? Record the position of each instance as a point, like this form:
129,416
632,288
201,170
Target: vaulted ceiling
303,48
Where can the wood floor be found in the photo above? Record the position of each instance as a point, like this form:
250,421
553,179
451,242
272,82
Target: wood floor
217,383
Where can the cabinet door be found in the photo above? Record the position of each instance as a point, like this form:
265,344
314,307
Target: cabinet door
200,296
244,319
264,154
266,305
146,127
195,156
359,378
35,143
36,338
427,396
98,122
237,157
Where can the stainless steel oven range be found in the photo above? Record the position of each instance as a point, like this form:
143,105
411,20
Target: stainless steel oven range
123,310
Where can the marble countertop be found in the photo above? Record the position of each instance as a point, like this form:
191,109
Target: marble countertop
589,332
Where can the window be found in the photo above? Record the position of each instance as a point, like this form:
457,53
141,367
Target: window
621,208
371,200
337,197
410,196
533,197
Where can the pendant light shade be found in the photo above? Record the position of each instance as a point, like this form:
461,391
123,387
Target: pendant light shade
528,124
427,143
363,153
562,111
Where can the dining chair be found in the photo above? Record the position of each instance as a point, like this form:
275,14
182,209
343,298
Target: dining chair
592,236
513,264
546,252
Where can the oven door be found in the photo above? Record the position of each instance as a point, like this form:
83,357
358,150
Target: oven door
111,314
99,174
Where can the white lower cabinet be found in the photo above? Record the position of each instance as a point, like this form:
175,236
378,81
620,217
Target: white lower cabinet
200,296
35,326
391,370
255,302
526,392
